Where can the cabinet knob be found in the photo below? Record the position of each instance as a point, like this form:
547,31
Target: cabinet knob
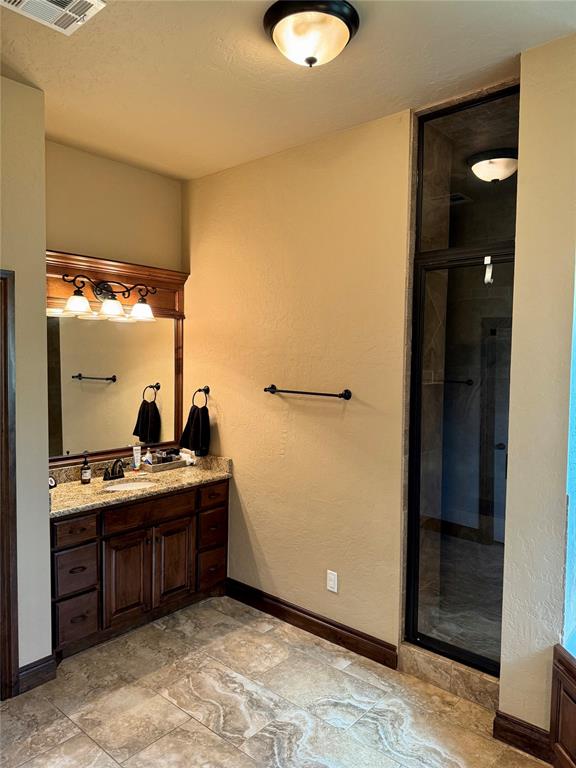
212,568
77,530
77,569
212,495
78,619
214,527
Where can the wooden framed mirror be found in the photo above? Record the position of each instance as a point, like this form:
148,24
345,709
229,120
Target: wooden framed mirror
117,362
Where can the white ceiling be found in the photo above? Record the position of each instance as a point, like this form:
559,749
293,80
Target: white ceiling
189,87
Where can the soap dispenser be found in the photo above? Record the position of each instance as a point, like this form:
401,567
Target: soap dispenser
85,470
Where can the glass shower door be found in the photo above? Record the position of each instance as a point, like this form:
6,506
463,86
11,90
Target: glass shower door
459,461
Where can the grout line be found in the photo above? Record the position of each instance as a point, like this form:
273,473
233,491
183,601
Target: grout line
153,742
44,751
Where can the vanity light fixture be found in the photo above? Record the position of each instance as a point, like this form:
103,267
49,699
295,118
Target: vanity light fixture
494,164
111,308
107,292
142,311
311,32
58,312
77,304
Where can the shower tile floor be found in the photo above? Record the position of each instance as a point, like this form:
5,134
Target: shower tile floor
460,596
220,685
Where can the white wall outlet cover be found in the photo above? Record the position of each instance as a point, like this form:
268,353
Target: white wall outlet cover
332,581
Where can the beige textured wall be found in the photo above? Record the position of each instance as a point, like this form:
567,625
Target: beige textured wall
298,278
23,250
98,415
540,378
111,210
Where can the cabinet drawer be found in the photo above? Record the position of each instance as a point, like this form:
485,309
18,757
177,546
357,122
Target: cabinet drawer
77,617
68,533
213,495
211,567
76,569
212,527
146,513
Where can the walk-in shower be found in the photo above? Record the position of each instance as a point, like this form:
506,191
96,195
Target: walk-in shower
462,330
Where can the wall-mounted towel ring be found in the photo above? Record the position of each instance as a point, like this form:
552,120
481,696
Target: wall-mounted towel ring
205,391
155,387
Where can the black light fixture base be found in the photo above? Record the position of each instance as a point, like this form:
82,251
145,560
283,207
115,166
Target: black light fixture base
339,8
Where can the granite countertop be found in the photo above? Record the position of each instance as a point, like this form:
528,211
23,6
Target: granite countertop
71,497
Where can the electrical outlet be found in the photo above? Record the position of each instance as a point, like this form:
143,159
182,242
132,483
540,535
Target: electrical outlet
332,581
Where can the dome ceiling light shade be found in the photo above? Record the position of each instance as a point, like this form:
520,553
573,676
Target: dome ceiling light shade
494,164
311,32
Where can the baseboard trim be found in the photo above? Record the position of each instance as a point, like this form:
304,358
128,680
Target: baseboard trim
522,735
36,673
347,637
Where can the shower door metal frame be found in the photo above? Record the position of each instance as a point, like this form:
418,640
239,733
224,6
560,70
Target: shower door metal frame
423,263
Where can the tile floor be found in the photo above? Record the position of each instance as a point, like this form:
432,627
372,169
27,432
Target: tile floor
220,685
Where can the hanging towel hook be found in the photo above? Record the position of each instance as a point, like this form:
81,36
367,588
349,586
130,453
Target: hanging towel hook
155,387
205,391
488,279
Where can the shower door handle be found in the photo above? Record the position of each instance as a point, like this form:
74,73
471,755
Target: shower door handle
500,446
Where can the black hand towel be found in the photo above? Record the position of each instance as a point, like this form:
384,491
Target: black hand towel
196,435
148,423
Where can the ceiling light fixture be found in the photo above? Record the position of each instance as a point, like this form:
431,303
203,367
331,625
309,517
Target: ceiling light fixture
311,32
494,164
106,292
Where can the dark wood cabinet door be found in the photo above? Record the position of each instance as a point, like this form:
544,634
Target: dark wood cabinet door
127,577
174,555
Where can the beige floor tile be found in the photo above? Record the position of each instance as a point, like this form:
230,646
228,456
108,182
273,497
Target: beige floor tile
474,717
328,693
127,720
30,725
140,652
415,738
245,614
297,739
198,625
512,758
397,685
228,703
248,652
77,752
86,677
191,746
174,671
314,646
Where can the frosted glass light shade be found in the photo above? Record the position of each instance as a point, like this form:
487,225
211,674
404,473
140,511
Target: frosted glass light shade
122,319
58,312
311,38
142,311
494,165
111,308
311,32
77,304
91,316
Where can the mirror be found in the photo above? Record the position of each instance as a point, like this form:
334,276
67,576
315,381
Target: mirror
97,415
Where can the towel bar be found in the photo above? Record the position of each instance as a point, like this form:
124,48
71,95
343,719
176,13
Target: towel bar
346,394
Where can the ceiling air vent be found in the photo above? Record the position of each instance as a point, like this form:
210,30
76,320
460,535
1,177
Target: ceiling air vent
64,15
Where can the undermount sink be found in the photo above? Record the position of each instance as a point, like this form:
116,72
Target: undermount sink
130,485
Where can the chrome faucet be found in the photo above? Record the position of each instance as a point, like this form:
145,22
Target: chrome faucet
115,472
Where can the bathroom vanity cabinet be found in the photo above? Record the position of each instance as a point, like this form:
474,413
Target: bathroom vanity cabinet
127,564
